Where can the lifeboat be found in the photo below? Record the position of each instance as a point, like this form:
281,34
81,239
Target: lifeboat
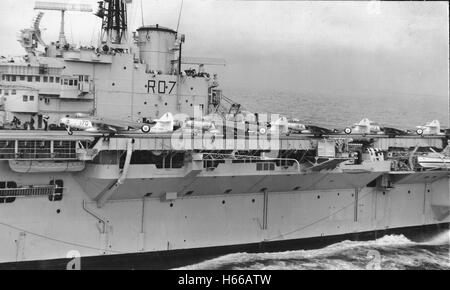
434,161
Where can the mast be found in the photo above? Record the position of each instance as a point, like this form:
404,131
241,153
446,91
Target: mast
115,22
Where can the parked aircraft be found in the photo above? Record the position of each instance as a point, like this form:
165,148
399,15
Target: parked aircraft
107,126
431,128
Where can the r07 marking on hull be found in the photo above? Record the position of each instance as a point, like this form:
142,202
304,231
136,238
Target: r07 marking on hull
162,87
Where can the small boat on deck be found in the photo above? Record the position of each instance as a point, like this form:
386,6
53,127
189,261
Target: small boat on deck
436,161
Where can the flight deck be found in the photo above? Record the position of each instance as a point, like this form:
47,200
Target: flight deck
57,145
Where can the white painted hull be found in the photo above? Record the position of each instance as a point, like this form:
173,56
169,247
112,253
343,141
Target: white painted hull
38,229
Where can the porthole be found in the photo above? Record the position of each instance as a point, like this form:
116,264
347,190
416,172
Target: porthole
223,201
171,205
58,211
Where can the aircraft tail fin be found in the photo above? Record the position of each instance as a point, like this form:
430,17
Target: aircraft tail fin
281,125
165,123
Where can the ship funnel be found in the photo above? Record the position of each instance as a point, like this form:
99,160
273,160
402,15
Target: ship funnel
157,47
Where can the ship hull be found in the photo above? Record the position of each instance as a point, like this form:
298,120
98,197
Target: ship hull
160,233
163,260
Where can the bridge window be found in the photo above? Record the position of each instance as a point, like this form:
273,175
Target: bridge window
38,79
13,92
29,79
45,79
13,78
31,98
6,92
25,98
22,78
57,80
52,79
7,78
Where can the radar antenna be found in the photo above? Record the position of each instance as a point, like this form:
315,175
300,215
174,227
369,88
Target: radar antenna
63,7
115,24
37,29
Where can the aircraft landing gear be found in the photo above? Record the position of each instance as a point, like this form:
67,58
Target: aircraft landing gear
69,130
107,137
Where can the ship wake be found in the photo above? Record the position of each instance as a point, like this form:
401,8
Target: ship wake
388,252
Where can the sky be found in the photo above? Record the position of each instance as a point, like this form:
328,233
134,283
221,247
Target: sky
367,48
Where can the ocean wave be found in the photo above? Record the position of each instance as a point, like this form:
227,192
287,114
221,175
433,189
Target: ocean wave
388,252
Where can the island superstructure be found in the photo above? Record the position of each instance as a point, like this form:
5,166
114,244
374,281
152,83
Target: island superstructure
137,200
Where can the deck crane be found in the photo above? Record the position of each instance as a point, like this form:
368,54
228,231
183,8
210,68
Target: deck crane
63,7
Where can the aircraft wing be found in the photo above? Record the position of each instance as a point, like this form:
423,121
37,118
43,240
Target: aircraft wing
318,130
116,124
393,131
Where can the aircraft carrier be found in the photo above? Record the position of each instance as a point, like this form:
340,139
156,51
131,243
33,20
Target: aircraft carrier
110,198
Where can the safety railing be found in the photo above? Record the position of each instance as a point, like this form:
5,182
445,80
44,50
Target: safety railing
38,150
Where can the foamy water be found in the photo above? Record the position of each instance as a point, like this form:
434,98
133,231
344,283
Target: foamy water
388,252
